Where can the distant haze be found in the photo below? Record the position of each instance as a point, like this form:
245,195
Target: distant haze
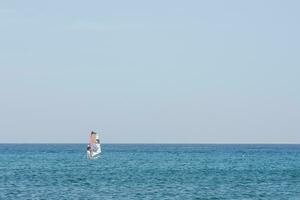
150,71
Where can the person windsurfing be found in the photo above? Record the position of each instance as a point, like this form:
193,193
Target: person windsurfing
93,148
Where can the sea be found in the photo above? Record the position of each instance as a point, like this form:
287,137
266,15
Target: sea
150,171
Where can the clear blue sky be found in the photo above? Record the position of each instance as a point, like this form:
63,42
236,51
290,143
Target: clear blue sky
150,71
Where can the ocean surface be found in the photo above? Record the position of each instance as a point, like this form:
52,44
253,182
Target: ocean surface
150,171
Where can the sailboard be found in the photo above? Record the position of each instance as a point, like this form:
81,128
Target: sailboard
94,147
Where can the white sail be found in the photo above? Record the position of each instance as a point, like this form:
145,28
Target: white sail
98,146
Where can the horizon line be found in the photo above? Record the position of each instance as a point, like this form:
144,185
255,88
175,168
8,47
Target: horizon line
146,143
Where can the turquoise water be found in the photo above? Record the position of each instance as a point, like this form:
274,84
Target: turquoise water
57,171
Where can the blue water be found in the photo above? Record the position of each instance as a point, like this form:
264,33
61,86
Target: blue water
57,171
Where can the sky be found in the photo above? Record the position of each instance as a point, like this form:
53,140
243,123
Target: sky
150,71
